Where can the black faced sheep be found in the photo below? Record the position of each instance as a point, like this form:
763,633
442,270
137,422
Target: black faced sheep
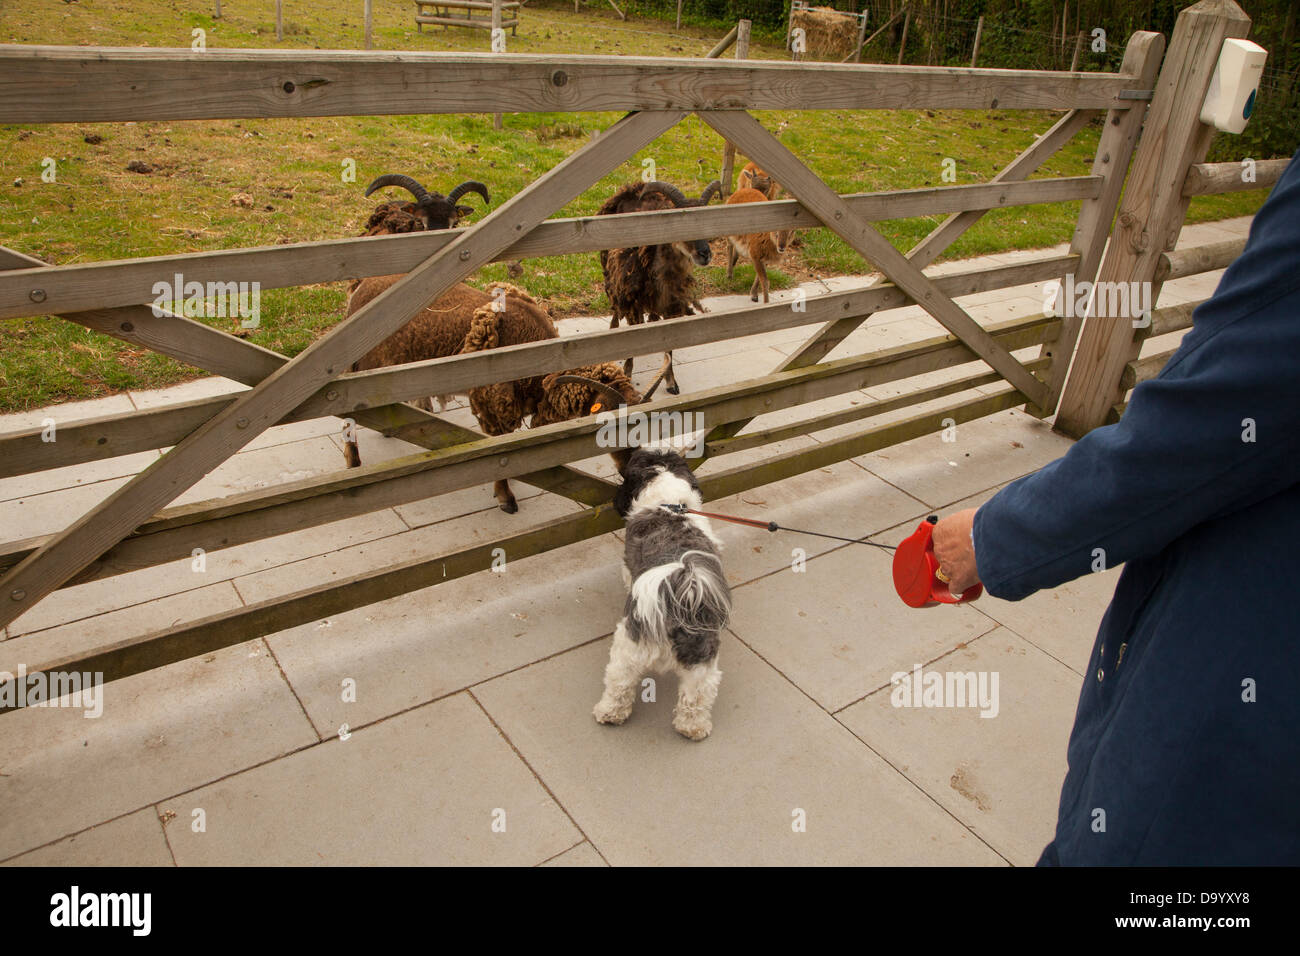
653,282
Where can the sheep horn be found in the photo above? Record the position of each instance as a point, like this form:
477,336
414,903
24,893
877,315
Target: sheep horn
611,394
712,189
668,189
405,182
663,370
469,186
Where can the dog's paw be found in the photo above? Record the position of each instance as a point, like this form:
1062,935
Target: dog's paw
609,712
693,730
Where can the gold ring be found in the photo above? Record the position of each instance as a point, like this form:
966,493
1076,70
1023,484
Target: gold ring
939,573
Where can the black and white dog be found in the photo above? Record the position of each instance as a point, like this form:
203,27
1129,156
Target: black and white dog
678,599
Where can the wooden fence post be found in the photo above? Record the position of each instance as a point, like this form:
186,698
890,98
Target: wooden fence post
279,19
907,22
975,51
369,25
217,15
679,14
1153,209
729,151
1111,162
497,122
1078,48
723,45
856,55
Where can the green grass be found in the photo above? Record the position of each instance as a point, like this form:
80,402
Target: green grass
97,210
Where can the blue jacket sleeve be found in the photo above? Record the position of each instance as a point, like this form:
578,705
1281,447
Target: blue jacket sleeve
1216,431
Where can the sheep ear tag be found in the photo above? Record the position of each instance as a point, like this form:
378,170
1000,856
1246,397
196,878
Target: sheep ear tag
597,407
914,571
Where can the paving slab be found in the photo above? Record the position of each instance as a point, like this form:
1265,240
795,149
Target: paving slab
793,414
173,577
985,452
375,448
66,412
1062,621
1013,256
838,631
429,643
161,732
1200,286
133,840
209,386
841,499
1000,775
454,504
714,350
584,854
71,476
49,512
458,533
736,366
264,468
647,796
424,788
212,386
60,620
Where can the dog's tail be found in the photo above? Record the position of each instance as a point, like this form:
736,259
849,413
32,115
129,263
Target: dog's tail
689,595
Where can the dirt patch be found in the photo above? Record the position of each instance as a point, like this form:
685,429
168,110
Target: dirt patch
961,782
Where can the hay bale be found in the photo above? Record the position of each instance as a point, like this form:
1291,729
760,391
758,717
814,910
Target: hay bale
828,31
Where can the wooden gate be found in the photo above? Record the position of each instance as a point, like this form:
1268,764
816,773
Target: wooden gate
135,527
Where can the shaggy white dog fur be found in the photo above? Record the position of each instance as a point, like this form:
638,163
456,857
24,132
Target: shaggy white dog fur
678,599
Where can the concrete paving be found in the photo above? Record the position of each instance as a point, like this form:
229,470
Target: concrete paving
453,725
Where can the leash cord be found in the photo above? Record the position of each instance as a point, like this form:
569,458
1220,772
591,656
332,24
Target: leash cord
773,526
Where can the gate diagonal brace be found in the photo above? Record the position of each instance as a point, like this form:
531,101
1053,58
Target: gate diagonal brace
767,151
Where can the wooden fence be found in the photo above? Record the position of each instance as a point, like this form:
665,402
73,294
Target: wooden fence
139,527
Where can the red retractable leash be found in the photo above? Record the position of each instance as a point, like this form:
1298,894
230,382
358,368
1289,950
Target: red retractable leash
916,577
916,571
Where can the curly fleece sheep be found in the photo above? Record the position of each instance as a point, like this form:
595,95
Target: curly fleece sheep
465,319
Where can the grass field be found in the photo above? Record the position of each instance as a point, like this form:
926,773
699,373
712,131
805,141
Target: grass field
291,170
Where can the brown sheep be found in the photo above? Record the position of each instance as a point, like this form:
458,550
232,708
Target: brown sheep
465,319
653,282
761,248
751,177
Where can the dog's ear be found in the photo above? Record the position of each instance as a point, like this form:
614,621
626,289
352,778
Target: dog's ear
635,471
623,498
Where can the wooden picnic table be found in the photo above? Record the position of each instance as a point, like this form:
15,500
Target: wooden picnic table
443,14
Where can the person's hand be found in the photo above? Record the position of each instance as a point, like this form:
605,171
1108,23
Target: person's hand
956,551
